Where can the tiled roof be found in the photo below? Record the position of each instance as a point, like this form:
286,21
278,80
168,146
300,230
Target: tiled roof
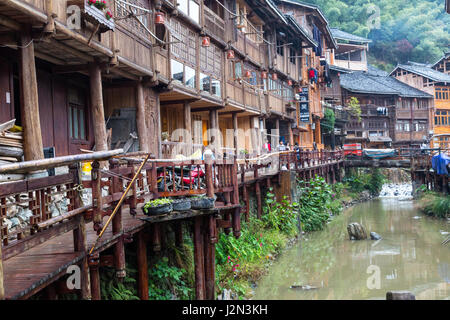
424,70
342,35
377,82
445,56
292,20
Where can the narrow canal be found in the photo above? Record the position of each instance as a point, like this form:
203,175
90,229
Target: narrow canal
409,257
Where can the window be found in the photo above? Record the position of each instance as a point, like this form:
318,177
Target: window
190,8
76,113
190,77
280,48
442,94
177,70
292,55
442,118
205,84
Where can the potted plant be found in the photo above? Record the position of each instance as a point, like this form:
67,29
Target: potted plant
99,4
202,202
108,15
182,204
158,206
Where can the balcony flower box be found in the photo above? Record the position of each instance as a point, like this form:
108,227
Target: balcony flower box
95,15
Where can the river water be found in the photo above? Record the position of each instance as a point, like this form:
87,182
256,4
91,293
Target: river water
409,257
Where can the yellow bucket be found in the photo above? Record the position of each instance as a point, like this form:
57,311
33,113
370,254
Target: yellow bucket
86,168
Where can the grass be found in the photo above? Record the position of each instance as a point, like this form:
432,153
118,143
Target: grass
435,204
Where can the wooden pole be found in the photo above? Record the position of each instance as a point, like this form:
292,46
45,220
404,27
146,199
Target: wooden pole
33,147
98,113
188,124
2,288
198,260
119,247
142,267
235,134
94,277
210,257
143,135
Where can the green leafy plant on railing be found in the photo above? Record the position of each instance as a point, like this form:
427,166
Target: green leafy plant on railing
328,121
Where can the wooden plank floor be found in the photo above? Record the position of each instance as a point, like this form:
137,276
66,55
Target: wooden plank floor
30,271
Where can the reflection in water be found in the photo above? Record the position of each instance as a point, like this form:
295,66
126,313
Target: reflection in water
410,257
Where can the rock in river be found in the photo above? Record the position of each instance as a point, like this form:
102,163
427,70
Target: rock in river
375,236
356,231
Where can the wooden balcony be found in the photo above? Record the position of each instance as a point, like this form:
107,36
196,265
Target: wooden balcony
214,24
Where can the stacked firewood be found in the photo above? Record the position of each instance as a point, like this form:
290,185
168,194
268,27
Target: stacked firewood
11,147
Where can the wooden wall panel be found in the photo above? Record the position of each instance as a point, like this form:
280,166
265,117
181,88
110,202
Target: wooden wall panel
60,118
6,109
46,108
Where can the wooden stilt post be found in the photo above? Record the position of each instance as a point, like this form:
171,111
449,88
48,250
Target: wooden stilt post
143,136
119,247
142,267
247,202
98,113
94,276
156,237
2,288
235,134
178,229
258,193
50,292
209,261
97,198
198,260
236,218
33,147
188,125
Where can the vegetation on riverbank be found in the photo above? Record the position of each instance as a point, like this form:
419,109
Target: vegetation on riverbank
241,262
435,204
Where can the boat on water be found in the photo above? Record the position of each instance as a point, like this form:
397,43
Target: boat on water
379,153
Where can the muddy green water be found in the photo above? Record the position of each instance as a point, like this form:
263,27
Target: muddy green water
409,257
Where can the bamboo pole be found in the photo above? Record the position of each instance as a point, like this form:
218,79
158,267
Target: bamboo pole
119,203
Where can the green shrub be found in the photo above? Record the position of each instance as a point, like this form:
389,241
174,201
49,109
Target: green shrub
435,204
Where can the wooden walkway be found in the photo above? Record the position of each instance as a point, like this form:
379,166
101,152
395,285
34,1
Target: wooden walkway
32,270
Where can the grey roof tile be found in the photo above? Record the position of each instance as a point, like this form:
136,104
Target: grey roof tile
342,35
424,70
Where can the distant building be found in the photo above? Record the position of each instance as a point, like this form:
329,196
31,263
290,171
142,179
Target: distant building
394,114
430,79
352,51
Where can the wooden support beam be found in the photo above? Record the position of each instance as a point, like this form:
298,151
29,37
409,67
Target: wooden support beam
198,260
33,146
70,68
184,101
10,23
258,200
143,135
94,276
72,51
235,133
142,266
98,112
2,288
187,123
209,261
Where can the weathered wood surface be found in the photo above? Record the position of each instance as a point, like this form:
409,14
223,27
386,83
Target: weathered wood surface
30,271
27,166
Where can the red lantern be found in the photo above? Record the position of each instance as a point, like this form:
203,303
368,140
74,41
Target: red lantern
289,82
415,99
274,76
399,98
159,18
264,75
206,41
248,74
230,54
